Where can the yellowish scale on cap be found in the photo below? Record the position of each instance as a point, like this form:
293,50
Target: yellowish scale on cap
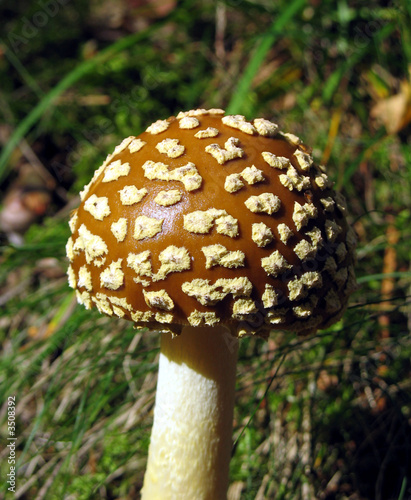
73,221
168,198
142,316
304,250
112,277
238,287
121,147
315,236
230,152
198,318
252,175
171,148
158,126
265,127
120,313
243,307
303,213
332,230
261,234
142,281
84,298
233,183
119,229
135,145
207,133
200,112
147,227
93,245
305,310
203,291
275,264
69,249
276,316
140,263
159,299
299,287
239,122
201,222
164,317
188,122
279,162
219,255
187,174
269,297
120,301
84,279
291,138
173,260
130,195
209,294
102,303
156,170
322,180
284,232
328,204
227,225
265,202
97,206
115,170
71,275
292,179
304,160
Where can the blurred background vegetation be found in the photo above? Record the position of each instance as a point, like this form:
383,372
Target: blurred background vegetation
326,417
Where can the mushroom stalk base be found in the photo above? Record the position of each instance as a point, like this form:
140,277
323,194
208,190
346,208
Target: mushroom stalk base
191,439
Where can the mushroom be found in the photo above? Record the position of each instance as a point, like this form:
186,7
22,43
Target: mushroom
208,228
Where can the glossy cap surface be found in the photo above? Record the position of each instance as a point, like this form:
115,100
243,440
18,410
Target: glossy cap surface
207,219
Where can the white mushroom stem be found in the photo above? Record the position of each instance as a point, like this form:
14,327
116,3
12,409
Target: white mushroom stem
191,439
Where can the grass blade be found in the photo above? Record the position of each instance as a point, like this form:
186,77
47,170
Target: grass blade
381,276
76,74
333,81
236,102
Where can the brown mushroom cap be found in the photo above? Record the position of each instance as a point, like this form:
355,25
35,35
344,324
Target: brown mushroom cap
206,219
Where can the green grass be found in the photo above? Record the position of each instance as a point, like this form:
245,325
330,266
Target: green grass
325,417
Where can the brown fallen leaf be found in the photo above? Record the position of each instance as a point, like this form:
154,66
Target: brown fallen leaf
394,112
26,201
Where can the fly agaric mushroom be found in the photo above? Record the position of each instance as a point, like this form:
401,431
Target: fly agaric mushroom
210,227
